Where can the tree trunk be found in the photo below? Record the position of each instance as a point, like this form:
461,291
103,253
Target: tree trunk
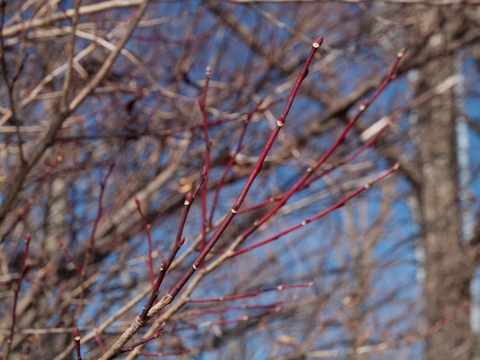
447,277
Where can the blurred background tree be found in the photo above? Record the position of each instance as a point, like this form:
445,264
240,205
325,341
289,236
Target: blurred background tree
393,272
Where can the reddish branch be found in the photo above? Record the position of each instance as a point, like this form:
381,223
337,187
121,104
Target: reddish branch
338,141
242,318
179,241
202,103
89,253
144,340
103,183
149,239
320,214
98,340
256,170
232,160
228,218
24,270
68,255
76,342
234,308
345,161
251,294
169,353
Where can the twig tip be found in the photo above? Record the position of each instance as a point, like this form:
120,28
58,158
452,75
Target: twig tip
76,334
318,41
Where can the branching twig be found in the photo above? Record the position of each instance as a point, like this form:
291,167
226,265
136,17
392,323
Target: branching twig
144,340
319,215
167,299
179,241
56,123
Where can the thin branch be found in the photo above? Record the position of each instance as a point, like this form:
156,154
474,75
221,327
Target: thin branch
144,340
167,299
16,291
76,342
202,104
84,10
232,160
319,215
91,241
179,241
147,227
49,138
70,50
251,294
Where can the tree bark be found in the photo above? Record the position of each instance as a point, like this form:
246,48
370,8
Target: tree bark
447,277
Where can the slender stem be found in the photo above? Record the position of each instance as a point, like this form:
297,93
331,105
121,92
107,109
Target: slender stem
231,161
251,294
234,308
320,214
241,318
179,241
338,141
91,244
149,240
69,256
71,50
169,353
256,170
345,161
25,267
144,340
202,103
76,342
167,299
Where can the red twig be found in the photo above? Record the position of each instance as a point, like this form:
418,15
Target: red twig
149,239
98,340
88,255
241,318
179,240
232,161
169,353
168,298
256,170
319,215
202,103
251,294
348,158
69,256
144,340
234,308
24,270
76,342
312,169
319,176
97,218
